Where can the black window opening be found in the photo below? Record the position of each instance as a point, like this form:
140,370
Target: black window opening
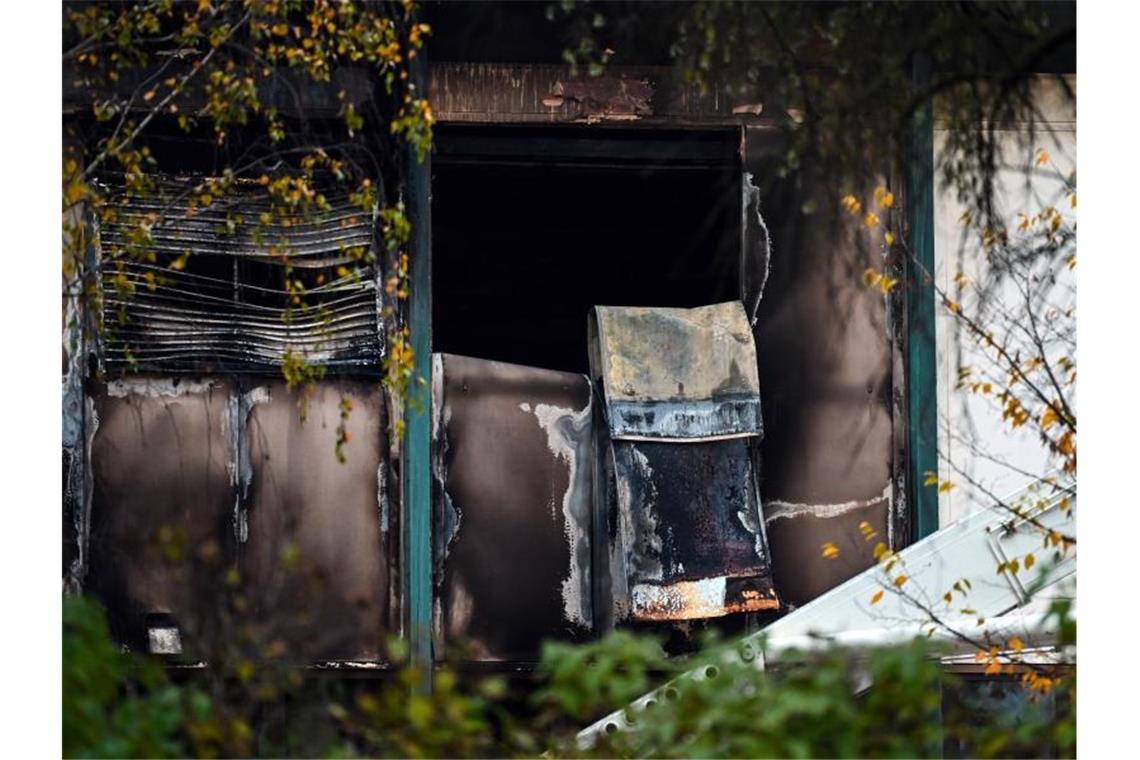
532,227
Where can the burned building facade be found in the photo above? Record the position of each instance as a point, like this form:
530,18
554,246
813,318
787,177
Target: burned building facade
652,388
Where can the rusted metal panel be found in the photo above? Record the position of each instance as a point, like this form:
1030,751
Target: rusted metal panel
677,373
218,289
162,502
682,414
317,554
513,464
520,94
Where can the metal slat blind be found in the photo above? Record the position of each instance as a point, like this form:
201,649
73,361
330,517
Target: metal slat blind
233,286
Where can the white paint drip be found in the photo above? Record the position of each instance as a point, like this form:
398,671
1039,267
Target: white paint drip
152,387
525,407
554,420
775,510
752,305
647,517
235,416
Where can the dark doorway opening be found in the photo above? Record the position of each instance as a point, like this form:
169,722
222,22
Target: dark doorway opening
531,227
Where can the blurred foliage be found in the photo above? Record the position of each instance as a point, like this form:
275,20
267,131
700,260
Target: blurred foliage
842,82
114,705
227,96
891,702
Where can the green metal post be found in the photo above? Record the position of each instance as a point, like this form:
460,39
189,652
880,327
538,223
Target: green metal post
922,387
417,410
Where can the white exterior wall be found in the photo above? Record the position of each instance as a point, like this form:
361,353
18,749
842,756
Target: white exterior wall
974,444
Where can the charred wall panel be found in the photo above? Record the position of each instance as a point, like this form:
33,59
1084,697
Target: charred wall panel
830,403
316,558
798,535
162,502
513,470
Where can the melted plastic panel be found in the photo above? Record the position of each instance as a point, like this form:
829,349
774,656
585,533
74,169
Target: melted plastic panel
513,463
161,504
317,558
689,517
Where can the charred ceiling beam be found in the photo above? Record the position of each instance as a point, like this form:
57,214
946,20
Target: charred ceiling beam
492,93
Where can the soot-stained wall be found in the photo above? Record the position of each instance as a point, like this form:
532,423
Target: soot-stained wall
513,457
221,504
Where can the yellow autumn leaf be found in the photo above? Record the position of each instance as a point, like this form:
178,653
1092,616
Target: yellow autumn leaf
1049,418
830,551
870,219
890,238
877,597
887,200
1067,445
1016,644
1030,560
900,580
945,486
1073,200
851,204
1042,157
929,478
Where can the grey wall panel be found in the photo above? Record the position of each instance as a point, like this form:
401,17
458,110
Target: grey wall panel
316,557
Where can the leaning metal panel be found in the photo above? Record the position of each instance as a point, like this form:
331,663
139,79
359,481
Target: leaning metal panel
512,460
686,537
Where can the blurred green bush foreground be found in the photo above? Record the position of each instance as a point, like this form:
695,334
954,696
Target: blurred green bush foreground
118,704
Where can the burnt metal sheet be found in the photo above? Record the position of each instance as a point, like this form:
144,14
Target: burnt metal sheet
215,288
162,502
690,524
676,373
316,558
513,470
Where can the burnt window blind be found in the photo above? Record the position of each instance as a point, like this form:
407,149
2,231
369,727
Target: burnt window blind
237,285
